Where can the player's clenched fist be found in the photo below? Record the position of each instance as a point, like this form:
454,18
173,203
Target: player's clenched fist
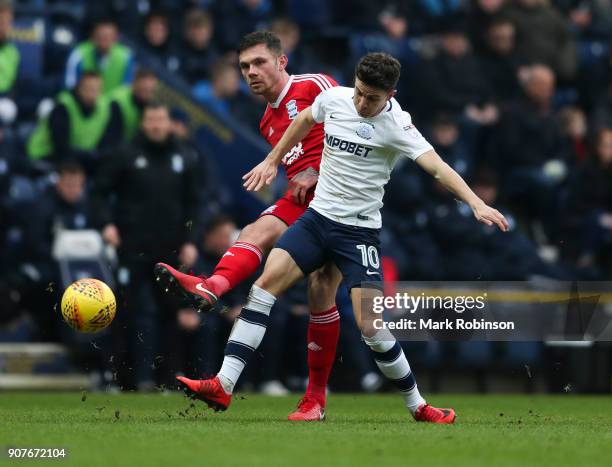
262,173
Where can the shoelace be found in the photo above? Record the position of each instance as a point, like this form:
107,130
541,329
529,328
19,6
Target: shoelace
430,413
191,272
306,404
208,385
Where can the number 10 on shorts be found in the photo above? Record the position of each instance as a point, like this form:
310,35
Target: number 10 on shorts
369,256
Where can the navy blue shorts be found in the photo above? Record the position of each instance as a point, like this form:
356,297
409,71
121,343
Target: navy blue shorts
314,240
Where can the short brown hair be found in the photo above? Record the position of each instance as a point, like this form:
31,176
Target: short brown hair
6,5
197,19
155,105
70,166
143,73
379,70
267,38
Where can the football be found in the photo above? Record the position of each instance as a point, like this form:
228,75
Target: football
88,305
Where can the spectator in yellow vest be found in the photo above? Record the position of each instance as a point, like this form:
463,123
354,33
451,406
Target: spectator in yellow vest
127,103
76,128
101,53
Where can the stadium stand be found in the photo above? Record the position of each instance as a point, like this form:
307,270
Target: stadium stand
515,94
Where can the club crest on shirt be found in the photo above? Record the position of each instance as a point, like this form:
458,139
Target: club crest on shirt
364,130
292,109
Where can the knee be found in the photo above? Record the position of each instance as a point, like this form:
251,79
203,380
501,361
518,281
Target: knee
378,340
271,277
263,236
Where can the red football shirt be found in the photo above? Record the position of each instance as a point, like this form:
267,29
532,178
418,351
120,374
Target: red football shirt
299,93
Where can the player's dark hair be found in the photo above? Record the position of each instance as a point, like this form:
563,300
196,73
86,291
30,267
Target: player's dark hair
267,38
379,70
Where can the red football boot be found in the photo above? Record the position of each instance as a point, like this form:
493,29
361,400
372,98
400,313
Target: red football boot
427,413
207,390
193,288
309,410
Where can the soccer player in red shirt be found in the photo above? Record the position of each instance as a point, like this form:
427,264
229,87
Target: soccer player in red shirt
262,63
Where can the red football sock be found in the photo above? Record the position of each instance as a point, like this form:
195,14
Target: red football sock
323,332
239,262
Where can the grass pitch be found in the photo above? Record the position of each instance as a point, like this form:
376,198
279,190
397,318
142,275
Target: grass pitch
137,430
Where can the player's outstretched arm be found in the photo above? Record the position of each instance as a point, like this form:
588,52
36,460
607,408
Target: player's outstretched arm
432,163
265,172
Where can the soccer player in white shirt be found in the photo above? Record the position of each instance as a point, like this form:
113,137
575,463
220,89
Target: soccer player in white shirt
366,132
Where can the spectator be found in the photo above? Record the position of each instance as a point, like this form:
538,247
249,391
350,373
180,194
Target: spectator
590,19
236,18
473,251
601,116
224,96
530,149
397,39
9,65
482,14
146,199
574,126
197,53
500,62
593,202
61,206
453,81
594,83
453,144
310,13
543,36
76,128
102,53
224,85
127,102
64,206
156,39
301,59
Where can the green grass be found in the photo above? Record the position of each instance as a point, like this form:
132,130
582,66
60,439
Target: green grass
491,430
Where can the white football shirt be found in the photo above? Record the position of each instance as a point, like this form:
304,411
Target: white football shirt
358,156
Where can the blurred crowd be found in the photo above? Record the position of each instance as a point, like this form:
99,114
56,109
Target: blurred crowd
516,95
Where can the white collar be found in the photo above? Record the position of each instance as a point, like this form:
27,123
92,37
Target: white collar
283,93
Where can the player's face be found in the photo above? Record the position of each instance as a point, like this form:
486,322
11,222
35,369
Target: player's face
261,68
368,100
